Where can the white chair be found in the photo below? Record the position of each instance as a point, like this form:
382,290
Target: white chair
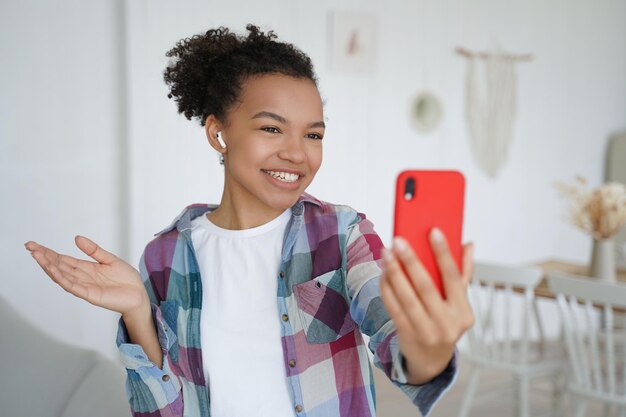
502,336
595,347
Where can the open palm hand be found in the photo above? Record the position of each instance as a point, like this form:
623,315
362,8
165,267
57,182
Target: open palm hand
109,282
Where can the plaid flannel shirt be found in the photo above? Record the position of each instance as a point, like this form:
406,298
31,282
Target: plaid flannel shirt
328,286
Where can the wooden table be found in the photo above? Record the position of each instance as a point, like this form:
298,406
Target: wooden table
553,265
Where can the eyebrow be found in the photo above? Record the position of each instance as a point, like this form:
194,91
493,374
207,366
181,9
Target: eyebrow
281,119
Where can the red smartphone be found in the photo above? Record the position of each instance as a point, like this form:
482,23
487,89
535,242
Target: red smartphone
428,199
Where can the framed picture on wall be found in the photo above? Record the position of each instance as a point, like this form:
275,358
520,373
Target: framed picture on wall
352,42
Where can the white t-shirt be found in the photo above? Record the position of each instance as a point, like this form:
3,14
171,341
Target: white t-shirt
240,327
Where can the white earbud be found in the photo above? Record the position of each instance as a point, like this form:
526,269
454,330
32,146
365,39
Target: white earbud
220,140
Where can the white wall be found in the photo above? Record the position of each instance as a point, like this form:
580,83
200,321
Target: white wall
59,157
571,98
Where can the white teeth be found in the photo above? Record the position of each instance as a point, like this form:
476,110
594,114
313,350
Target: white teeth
283,176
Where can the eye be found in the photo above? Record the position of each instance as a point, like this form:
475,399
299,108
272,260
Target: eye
270,129
315,136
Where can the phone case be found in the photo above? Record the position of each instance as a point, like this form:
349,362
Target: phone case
428,199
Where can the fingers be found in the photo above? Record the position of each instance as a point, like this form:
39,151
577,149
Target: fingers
70,273
47,256
90,248
425,321
406,308
65,275
450,275
53,257
455,282
419,325
420,278
43,262
399,282
35,247
468,264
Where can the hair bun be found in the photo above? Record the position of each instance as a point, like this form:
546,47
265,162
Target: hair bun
207,71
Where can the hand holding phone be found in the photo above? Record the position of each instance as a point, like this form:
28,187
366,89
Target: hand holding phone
425,200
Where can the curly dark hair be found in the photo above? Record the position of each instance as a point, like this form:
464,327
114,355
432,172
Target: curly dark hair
208,70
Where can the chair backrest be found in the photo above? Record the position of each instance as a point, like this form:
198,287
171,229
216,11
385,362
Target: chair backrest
595,346
495,293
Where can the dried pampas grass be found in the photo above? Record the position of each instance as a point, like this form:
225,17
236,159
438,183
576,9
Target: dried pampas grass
601,211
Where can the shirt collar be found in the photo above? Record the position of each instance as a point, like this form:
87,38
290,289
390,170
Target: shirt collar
182,222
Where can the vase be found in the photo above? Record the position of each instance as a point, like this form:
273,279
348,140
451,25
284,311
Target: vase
603,260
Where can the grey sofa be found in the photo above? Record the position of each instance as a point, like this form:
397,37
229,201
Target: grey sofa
42,377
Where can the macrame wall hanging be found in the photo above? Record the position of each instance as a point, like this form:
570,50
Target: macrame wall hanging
490,105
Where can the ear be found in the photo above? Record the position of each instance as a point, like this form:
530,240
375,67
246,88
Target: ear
211,127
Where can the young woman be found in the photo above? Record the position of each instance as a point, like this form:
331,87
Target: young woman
255,306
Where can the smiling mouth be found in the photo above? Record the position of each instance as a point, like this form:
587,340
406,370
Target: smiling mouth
283,176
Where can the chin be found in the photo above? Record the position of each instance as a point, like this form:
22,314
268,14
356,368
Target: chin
284,202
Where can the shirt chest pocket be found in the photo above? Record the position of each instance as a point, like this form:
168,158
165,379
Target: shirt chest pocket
323,308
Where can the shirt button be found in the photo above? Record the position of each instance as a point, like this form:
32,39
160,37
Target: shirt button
298,408
165,377
285,317
282,274
292,363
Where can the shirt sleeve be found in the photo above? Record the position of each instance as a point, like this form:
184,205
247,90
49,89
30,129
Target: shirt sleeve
364,270
151,391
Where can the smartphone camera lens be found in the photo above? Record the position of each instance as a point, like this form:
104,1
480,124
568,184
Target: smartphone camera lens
409,188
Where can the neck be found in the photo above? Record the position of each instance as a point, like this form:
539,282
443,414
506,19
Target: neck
239,213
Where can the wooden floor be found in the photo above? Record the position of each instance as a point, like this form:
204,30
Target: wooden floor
391,402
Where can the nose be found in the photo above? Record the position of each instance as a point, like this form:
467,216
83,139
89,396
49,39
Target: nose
293,150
